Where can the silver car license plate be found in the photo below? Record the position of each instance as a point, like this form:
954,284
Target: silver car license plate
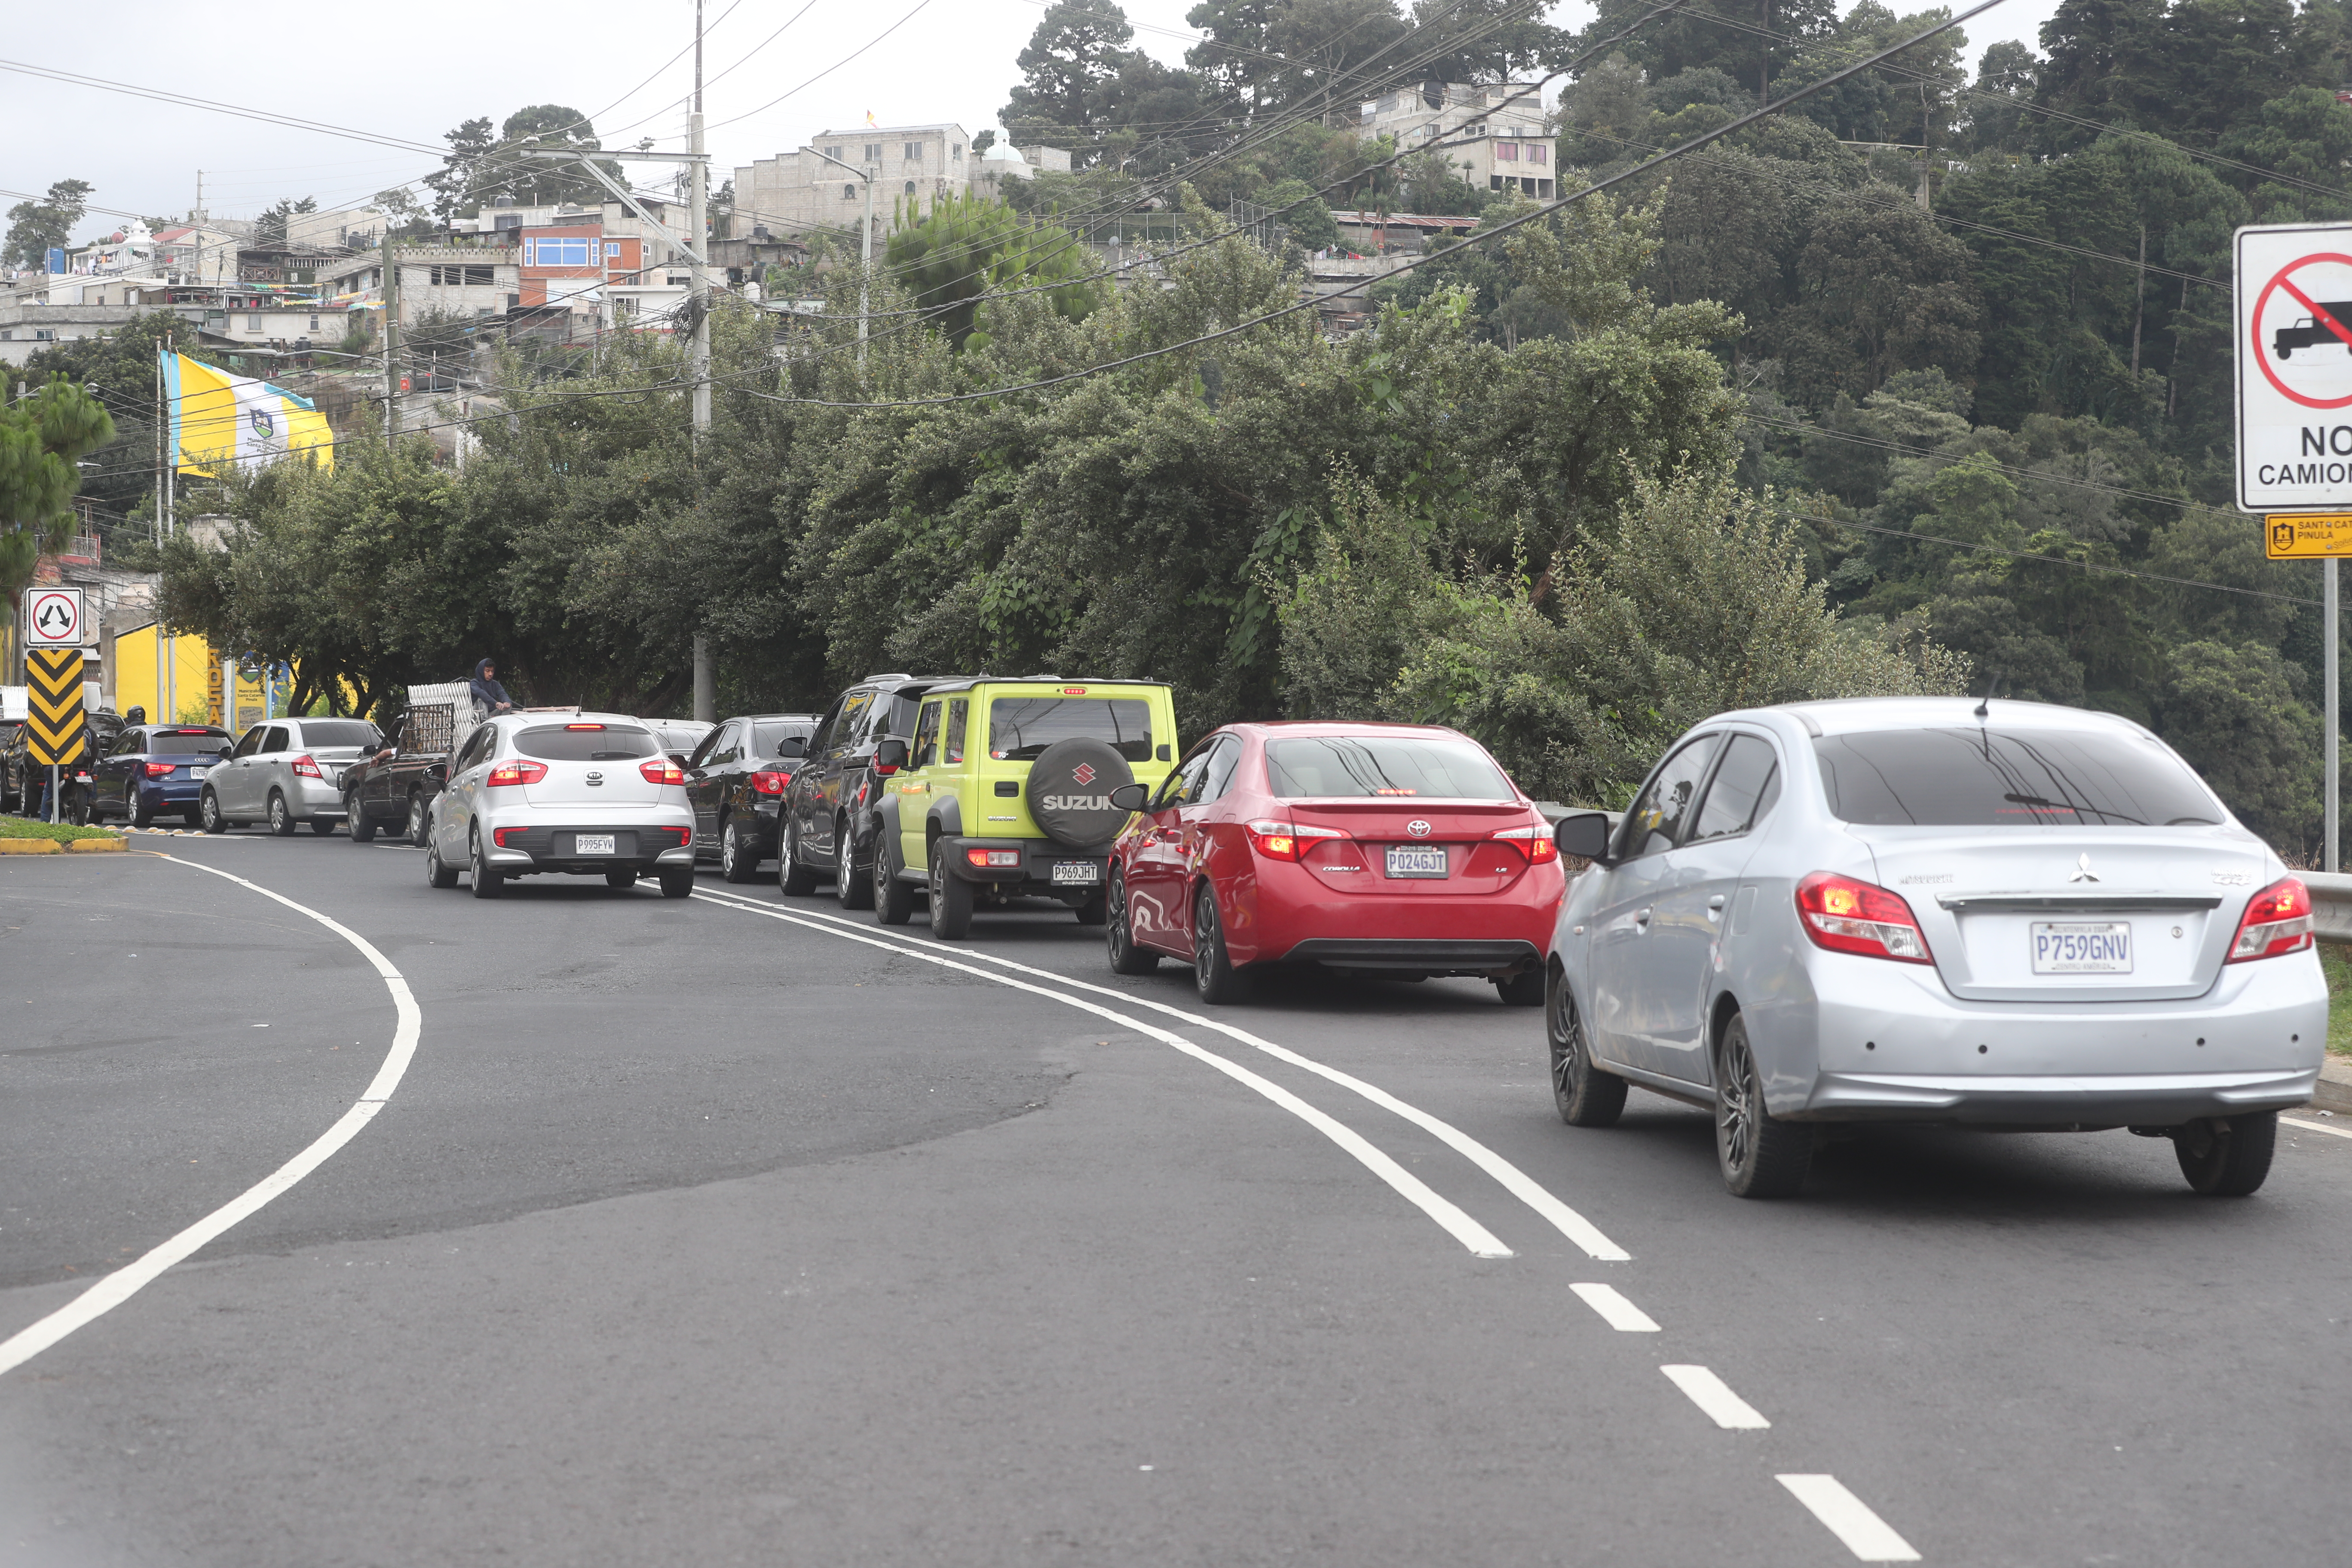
2081,947
1416,860
1085,872
593,844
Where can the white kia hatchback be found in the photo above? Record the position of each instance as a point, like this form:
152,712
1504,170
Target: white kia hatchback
592,796
2004,914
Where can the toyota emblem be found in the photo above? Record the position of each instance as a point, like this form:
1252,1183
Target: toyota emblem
1417,828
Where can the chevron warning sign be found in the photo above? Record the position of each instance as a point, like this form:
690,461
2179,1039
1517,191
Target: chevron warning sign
54,726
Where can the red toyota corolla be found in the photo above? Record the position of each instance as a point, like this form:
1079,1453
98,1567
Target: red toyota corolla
1393,848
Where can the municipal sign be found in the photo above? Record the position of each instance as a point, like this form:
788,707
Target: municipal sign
2306,535
54,727
52,617
2293,352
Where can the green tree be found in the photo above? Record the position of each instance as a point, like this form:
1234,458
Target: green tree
36,226
270,228
41,436
968,246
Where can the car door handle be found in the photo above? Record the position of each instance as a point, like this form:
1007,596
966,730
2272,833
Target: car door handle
1715,907
1643,919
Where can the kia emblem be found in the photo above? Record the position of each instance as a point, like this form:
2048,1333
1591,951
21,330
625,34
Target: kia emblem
1084,773
1417,828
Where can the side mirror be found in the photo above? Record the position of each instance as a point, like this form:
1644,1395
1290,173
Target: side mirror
1584,836
1130,797
792,747
890,755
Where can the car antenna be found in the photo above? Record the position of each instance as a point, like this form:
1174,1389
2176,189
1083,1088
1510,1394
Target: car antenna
1984,703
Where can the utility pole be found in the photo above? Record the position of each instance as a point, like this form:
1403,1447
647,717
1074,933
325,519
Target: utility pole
390,340
705,701
167,686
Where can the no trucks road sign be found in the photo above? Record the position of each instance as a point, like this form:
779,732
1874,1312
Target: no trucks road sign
2294,352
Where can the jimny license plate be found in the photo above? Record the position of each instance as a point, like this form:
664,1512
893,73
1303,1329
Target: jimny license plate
2081,947
1416,860
593,844
1085,872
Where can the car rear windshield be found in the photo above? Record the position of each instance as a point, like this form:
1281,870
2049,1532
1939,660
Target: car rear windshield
768,740
1019,727
173,743
569,743
338,732
1339,766
1993,778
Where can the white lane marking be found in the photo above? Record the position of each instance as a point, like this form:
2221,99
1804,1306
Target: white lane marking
1521,1186
2316,1127
1615,1311
1457,1223
127,1281
1849,1519
1712,1394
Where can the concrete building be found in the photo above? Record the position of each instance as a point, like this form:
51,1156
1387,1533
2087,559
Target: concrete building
913,167
1494,134
462,278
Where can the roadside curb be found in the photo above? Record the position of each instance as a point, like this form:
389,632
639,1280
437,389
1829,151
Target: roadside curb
96,846
28,847
2334,1091
52,847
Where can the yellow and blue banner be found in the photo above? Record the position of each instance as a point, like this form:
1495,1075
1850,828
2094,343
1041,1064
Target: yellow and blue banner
219,419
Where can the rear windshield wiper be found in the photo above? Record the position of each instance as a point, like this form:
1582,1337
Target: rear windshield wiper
2045,804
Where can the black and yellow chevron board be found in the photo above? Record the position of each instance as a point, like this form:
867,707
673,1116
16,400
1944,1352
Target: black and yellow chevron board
55,730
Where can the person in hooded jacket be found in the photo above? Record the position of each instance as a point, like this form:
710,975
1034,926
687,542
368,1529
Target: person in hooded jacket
488,695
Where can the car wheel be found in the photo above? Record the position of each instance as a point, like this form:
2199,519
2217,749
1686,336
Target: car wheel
208,814
623,880
363,825
1586,1096
437,875
1525,989
855,892
677,883
1126,957
794,879
894,900
1762,1156
417,826
142,813
737,861
1095,911
193,818
951,898
489,880
2227,1156
1214,974
282,818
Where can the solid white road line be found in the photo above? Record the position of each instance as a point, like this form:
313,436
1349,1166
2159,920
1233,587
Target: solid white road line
1457,1223
1615,1311
127,1281
1712,1394
1849,1519
2316,1127
1521,1186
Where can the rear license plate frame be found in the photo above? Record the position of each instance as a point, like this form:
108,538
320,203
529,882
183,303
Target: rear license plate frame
2079,947
1076,874
1418,862
595,844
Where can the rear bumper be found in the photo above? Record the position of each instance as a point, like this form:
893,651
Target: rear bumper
2108,1099
1035,872
636,845
1283,912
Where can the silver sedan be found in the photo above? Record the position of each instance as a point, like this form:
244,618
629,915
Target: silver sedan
2004,915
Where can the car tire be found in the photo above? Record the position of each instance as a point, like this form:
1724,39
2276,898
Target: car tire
437,875
208,814
737,861
1525,989
855,892
142,815
418,828
678,883
1586,1096
1126,956
951,898
282,820
620,881
1095,911
2227,1156
794,879
363,825
489,880
1214,974
1760,1155
894,900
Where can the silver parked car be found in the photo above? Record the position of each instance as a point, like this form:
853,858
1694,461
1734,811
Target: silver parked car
591,795
286,772
2003,914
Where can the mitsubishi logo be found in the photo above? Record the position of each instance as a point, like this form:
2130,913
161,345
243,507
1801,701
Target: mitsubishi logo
1084,773
2083,872
1417,828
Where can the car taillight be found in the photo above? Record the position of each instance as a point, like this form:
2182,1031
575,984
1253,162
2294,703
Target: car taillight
1849,916
159,770
501,834
2277,919
767,781
684,836
1536,841
987,860
306,767
661,770
517,773
1286,840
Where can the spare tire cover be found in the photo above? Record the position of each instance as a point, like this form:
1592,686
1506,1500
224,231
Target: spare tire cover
1069,792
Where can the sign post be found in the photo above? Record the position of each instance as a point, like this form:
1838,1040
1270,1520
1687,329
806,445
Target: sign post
54,726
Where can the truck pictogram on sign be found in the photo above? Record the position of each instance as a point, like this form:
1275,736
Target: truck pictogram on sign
2293,352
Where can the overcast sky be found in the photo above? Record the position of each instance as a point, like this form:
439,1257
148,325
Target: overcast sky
413,73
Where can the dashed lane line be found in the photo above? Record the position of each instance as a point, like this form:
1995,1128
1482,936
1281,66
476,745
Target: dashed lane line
1713,1397
1615,1311
127,1281
1449,1216
1848,1518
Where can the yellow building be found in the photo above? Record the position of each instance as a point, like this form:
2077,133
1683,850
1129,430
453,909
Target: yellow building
180,679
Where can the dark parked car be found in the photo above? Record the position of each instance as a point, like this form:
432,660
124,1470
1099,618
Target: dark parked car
827,815
154,770
393,786
678,737
21,778
737,778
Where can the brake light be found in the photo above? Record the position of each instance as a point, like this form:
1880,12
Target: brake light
769,781
1848,916
989,859
159,770
517,772
306,767
2277,919
584,726
1286,840
498,836
684,836
662,771
1536,842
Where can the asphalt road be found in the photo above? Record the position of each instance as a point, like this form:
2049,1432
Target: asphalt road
695,1235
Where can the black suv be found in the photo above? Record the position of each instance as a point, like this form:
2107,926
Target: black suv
833,787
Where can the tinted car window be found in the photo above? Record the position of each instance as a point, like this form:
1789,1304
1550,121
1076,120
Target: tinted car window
926,749
846,729
769,739
1222,762
1427,766
338,732
275,739
1656,823
569,743
1019,727
1990,778
1182,787
252,742
958,712
1745,788
177,742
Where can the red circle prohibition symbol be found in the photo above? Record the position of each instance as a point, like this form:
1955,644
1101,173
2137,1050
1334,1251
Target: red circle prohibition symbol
2262,359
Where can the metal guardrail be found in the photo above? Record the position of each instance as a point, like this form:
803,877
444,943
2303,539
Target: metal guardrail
2331,904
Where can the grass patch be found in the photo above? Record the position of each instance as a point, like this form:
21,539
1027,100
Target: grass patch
2336,963
63,832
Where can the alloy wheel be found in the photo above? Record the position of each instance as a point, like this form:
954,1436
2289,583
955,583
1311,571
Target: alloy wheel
728,851
1735,1105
